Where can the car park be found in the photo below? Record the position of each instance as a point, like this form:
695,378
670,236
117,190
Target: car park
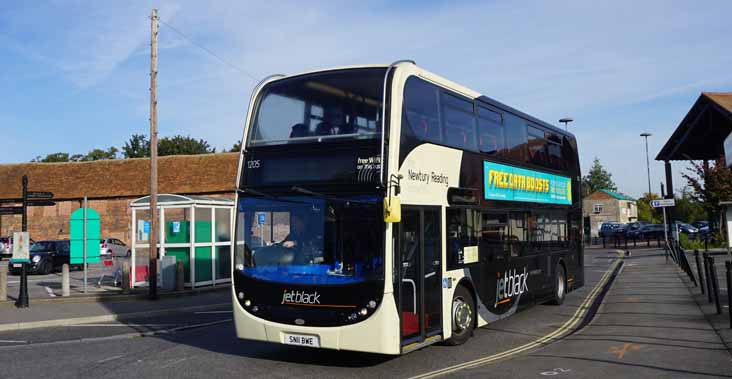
45,257
112,247
6,246
652,231
685,228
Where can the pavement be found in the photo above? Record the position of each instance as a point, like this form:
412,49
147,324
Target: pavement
69,311
644,322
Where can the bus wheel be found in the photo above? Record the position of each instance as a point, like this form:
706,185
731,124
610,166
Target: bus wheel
560,285
463,315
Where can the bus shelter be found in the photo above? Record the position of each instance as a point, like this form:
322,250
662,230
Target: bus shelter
196,230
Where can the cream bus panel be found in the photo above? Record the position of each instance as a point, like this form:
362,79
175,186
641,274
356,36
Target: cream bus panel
428,171
376,334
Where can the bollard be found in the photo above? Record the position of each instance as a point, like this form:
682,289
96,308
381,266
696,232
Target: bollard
715,285
65,282
728,266
699,270
634,242
126,277
179,276
705,259
603,242
3,282
648,242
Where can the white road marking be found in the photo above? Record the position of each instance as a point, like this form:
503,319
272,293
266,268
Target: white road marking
50,292
110,358
175,362
211,312
12,341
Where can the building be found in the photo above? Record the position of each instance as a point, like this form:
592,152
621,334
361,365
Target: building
110,186
606,206
703,135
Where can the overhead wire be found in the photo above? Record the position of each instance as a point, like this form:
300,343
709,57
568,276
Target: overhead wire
207,50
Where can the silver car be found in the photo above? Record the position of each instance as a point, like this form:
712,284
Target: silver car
112,247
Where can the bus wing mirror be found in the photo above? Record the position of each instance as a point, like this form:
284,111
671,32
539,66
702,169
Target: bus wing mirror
392,209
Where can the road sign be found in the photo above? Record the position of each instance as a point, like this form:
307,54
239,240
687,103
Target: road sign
662,203
21,251
93,226
40,195
261,217
11,210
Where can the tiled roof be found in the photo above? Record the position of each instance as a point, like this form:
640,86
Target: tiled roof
618,195
181,174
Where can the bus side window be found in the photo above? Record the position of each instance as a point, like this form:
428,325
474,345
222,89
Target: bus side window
491,136
463,229
518,233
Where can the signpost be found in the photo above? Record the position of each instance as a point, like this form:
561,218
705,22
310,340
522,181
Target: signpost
21,240
261,218
663,203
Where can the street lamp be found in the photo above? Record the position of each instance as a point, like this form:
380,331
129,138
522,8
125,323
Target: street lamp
648,165
566,121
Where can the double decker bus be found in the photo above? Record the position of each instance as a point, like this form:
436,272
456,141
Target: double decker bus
384,208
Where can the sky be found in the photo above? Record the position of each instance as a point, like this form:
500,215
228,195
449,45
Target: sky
74,75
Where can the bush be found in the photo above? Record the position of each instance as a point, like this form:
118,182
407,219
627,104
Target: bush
715,241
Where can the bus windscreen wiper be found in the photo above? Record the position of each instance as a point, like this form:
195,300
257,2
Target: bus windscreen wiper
308,192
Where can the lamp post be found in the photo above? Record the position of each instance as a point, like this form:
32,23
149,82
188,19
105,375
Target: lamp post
648,165
566,121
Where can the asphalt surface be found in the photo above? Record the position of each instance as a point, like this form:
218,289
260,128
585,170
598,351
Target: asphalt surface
648,317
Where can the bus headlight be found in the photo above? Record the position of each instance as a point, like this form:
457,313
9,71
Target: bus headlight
241,295
363,312
372,304
247,303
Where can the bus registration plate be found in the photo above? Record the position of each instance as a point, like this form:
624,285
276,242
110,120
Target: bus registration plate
301,340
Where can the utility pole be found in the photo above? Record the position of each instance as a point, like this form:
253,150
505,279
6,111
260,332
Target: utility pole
153,264
648,164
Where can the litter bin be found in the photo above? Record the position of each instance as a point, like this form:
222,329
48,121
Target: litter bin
167,269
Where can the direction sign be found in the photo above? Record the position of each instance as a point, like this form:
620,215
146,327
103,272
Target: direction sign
261,217
40,195
43,203
11,210
663,203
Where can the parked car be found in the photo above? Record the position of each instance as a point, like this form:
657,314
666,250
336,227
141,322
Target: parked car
702,226
112,247
6,246
652,231
607,229
46,257
687,229
633,229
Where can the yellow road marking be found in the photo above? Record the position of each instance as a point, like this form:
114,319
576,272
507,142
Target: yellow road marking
627,347
566,327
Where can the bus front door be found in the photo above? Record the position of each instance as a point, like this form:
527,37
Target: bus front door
420,274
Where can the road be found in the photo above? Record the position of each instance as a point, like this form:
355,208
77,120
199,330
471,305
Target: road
202,344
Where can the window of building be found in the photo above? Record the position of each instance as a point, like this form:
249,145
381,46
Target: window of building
597,209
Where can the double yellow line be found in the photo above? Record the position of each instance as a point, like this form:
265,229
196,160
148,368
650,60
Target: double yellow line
560,332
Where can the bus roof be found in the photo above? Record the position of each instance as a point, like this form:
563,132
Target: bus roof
481,97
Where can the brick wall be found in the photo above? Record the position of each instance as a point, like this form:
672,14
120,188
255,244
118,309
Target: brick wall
53,222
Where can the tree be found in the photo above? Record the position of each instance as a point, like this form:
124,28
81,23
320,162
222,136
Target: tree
137,147
236,148
54,157
710,184
687,208
597,179
178,145
648,213
97,154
